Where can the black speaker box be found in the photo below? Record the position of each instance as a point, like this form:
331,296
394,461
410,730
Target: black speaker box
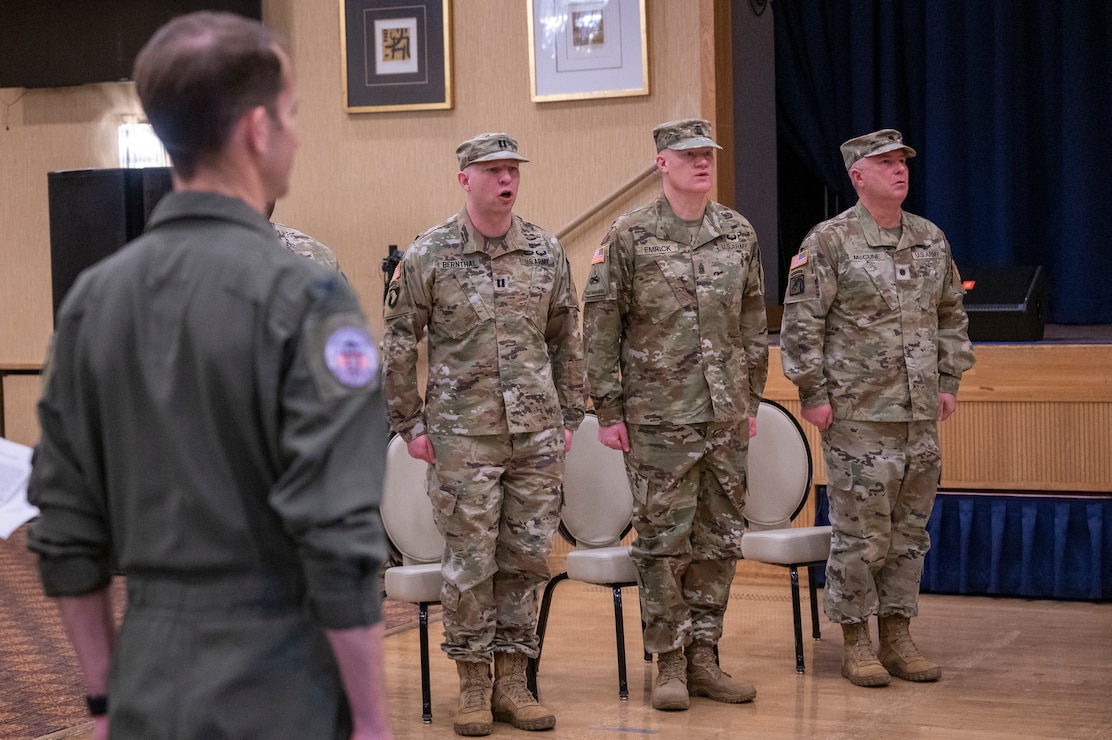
95,212
1005,304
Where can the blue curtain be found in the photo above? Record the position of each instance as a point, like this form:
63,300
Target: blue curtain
1045,547
1009,105
1031,546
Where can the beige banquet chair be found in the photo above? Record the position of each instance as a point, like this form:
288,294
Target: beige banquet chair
407,516
596,514
779,482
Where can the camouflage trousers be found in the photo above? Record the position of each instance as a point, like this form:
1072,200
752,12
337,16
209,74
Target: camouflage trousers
882,478
496,501
688,494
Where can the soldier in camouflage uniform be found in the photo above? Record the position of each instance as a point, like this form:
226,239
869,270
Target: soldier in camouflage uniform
505,391
677,358
301,243
875,337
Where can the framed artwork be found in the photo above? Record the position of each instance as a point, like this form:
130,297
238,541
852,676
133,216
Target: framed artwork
397,55
587,49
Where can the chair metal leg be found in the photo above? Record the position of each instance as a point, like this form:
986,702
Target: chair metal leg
533,667
619,631
797,620
815,631
426,689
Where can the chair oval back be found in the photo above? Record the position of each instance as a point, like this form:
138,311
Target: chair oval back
406,508
779,469
598,503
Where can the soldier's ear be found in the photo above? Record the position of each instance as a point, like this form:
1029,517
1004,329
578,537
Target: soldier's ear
464,180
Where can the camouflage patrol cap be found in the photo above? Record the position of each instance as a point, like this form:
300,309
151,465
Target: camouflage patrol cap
487,148
870,145
688,133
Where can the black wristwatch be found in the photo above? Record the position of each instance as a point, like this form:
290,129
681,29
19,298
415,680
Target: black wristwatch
98,705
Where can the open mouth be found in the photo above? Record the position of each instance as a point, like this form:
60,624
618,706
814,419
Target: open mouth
506,195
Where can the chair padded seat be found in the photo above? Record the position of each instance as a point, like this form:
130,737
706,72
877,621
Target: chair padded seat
414,583
789,546
602,565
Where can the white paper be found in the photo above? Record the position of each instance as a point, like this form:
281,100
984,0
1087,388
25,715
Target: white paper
15,470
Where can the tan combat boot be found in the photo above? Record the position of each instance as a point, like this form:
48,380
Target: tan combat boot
670,690
705,678
513,701
473,717
859,663
899,655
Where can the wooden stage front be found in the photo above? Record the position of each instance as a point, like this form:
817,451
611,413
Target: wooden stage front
1031,417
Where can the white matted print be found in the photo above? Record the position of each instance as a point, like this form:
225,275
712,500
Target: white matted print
587,49
396,46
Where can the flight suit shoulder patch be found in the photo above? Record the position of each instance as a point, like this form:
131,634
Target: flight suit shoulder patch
343,355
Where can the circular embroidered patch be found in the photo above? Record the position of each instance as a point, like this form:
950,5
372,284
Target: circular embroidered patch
351,356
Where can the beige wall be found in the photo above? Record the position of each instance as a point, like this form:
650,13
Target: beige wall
362,181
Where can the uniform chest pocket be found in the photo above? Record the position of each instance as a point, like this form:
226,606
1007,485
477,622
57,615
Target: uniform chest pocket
523,289
868,293
721,276
659,289
930,273
457,306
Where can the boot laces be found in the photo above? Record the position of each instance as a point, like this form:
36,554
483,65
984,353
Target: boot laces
671,667
515,689
475,686
861,648
704,659
862,652
900,638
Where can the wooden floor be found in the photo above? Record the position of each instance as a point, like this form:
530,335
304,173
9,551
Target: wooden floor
1011,669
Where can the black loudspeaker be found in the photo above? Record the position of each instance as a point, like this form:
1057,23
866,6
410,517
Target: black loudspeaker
95,212
1005,304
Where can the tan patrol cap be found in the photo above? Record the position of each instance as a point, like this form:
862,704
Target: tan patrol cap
487,148
870,145
688,133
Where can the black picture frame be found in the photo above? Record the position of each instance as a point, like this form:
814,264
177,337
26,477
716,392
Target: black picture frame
397,55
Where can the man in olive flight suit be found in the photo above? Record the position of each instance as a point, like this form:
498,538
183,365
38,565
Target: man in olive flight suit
875,337
505,391
677,358
212,425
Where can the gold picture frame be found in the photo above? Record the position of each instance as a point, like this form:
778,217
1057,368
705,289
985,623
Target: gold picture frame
396,55
580,49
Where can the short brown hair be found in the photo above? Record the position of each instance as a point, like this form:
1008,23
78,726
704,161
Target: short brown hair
198,74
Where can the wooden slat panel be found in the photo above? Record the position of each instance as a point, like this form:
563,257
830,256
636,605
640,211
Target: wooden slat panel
1030,417
1012,372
